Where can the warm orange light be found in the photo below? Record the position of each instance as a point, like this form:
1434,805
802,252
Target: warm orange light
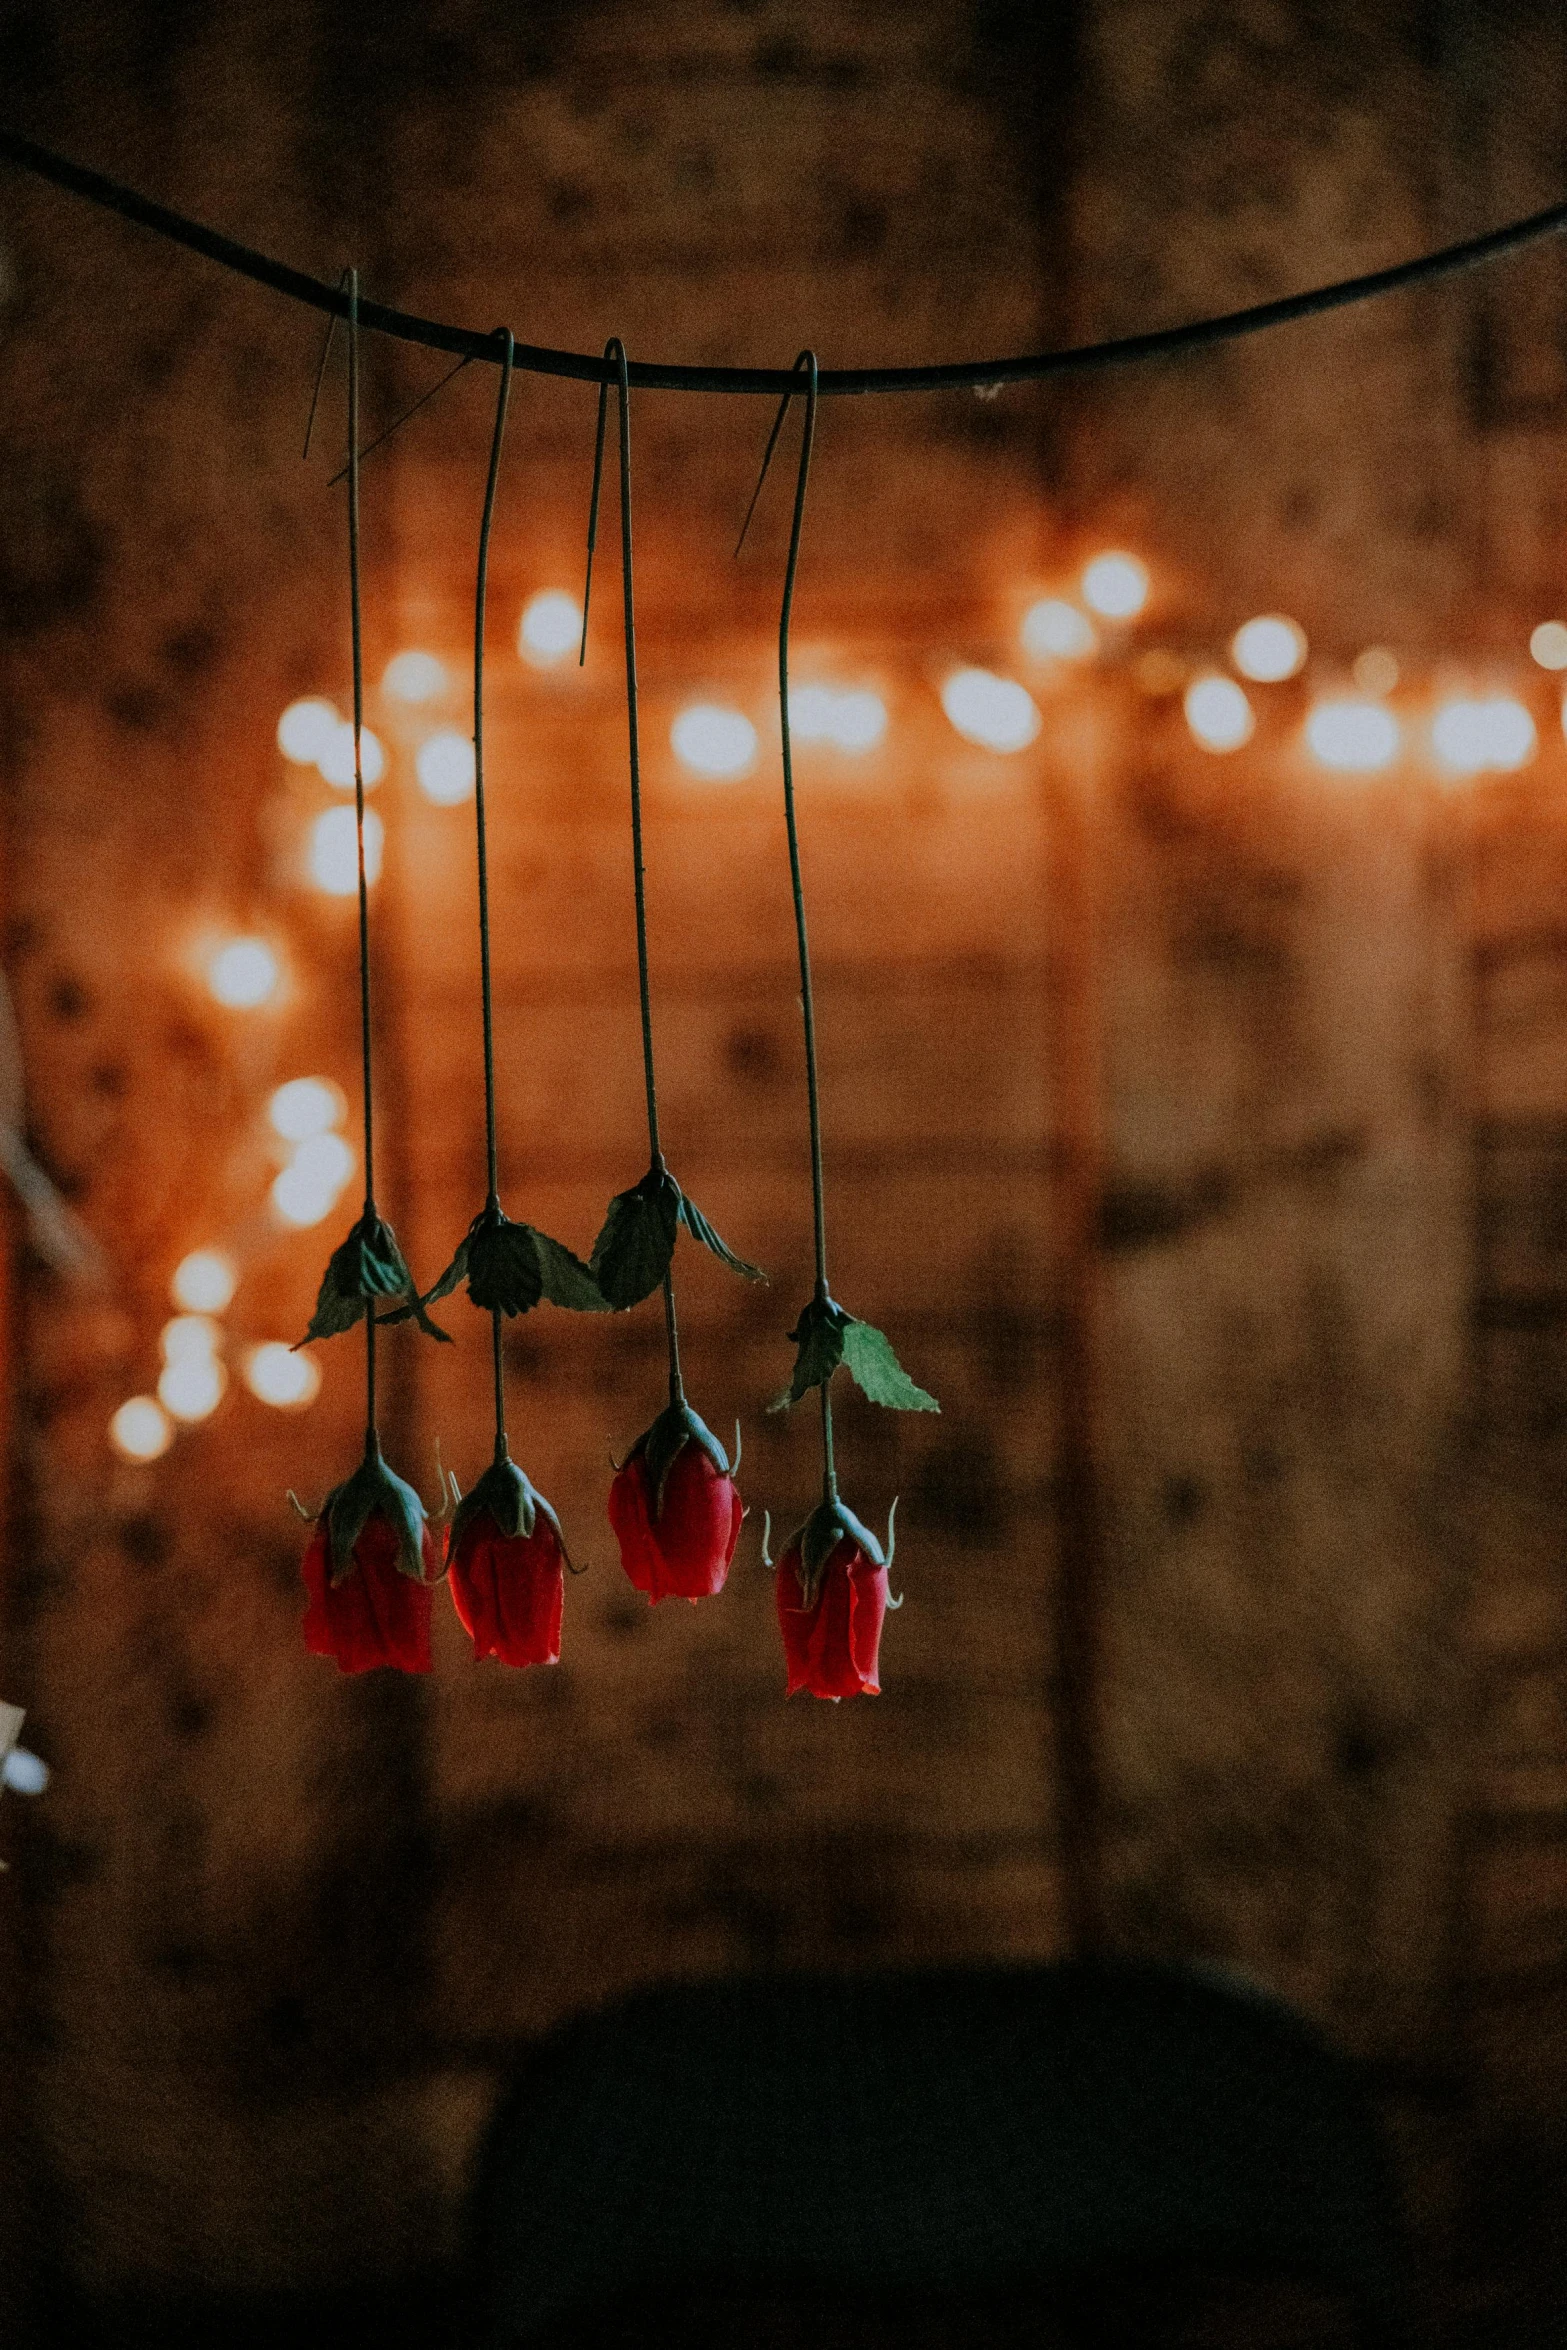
305,729
303,1107
243,974
414,677
278,1376
187,1336
1115,586
204,1282
850,720
192,1386
307,1189
1268,648
551,627
445,768
140,1429
334,853
995,712
1218,713
336,758
1471,736
1376,670
1353,737
1054,630
1548,644
714,741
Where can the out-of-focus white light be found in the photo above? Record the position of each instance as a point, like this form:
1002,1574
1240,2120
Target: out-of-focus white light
1548,644
336,760
279,1376
140,1429
305,729
1376,670
1115,586
188,1336
303,1107
551,627
192,1386
1054,630
994,711
714,741
307,1188
1353,737
852,721
334,854
1473,735
24,1773
204,1282
445,768
1268,648
414,677
243,974
1218,713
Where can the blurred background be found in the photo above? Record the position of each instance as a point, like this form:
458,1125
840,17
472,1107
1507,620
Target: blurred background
1193,1013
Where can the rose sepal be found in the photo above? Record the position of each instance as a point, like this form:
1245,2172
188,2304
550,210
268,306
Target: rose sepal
830,1523
348,1508
513,1503
661,1446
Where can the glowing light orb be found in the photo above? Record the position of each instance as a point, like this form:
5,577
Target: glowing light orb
1471,736
140,1429
1353,737
995,712
303,1107
850,721
336,760
192,1386
1219,714
204,1282
711,740
243,974
1268,648
307,1188
278,1376
1054,630
24,1773
445,768
551,628
414,677
334,855
1376,670
1548,644
1115,586
305,729
188,1337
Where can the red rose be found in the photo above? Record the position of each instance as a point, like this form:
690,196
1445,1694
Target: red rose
676,1510
831,1592
368,1568
506,1563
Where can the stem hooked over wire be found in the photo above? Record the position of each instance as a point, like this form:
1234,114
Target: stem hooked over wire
492,1153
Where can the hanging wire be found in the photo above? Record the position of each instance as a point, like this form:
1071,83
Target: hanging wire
963,375
397,424
806,363
615,351
504,335
359,813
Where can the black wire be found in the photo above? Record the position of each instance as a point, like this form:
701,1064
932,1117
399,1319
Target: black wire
648,375
355,617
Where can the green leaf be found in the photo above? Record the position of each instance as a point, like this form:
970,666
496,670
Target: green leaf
503,1266
567,1281
877,1372
631,1255
455,1274
699,1228
819,1336
367,1267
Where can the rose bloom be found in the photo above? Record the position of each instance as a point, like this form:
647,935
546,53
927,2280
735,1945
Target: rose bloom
377,1614
831,1593
676,1544
508,1589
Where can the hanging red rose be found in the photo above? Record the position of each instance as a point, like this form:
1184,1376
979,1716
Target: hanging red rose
369,1567
676,1510
831,1591
506,1564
